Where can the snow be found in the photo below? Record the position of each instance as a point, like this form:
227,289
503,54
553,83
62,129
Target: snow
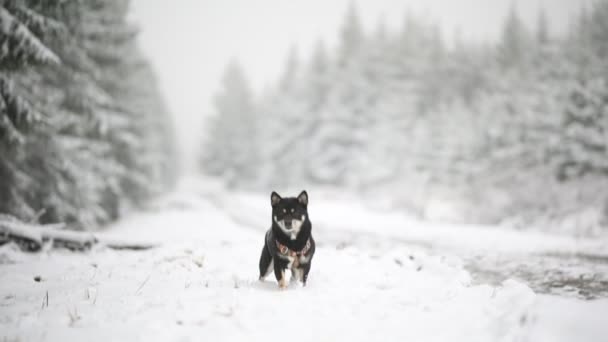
565,319
27,43
373,278
37,235
10,226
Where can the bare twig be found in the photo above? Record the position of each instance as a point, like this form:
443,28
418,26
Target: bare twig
94,273
37,216
74,317
142,284
45,300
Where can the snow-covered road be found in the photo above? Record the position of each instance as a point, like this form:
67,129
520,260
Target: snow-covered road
373,279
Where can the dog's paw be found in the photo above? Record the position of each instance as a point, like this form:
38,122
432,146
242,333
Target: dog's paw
282,284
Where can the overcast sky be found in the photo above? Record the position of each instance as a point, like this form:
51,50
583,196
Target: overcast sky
190,41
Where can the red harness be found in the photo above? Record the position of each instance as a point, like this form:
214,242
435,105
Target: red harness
286,251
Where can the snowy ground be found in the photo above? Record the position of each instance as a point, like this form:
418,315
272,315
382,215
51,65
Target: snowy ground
376,276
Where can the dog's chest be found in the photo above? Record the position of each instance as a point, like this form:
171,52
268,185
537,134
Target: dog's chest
294,261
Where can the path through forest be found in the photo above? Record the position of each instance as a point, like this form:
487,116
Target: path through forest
376,275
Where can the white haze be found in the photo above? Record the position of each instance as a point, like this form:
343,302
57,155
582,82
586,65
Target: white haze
190,41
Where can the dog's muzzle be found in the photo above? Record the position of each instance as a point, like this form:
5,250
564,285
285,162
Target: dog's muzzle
288,224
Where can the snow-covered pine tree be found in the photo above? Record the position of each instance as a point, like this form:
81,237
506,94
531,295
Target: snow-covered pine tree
66,167
585,123
420,88
83,198
515,41
23,27
132,121
159,159
292,67
542,28
388,105
288,133
508,102
339,140
319,80
232,136
586,127
352,36
98,122
396,107
319,85
598,29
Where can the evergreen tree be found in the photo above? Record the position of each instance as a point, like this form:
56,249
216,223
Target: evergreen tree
386,109
316,91
585,120
351,35
82,147
232,143
22,31
598,28
288,133
339,139
319,77
476,123
586,123
514,42
542,28
290,73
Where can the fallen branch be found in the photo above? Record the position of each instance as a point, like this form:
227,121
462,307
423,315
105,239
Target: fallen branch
32,237
58,237
128,246
27,236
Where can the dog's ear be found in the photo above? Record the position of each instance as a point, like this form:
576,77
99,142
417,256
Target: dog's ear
274,198
303,198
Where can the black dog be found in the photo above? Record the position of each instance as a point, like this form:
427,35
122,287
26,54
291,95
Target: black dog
289,243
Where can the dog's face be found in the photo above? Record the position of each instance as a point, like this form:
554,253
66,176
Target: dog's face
289,213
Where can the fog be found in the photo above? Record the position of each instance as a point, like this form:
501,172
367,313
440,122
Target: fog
189,42
305,170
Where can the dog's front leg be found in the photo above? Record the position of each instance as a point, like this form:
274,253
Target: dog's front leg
279,273
265,262
305,270
296,273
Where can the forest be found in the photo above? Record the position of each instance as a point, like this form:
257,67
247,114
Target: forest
512,132
84,133
456,187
